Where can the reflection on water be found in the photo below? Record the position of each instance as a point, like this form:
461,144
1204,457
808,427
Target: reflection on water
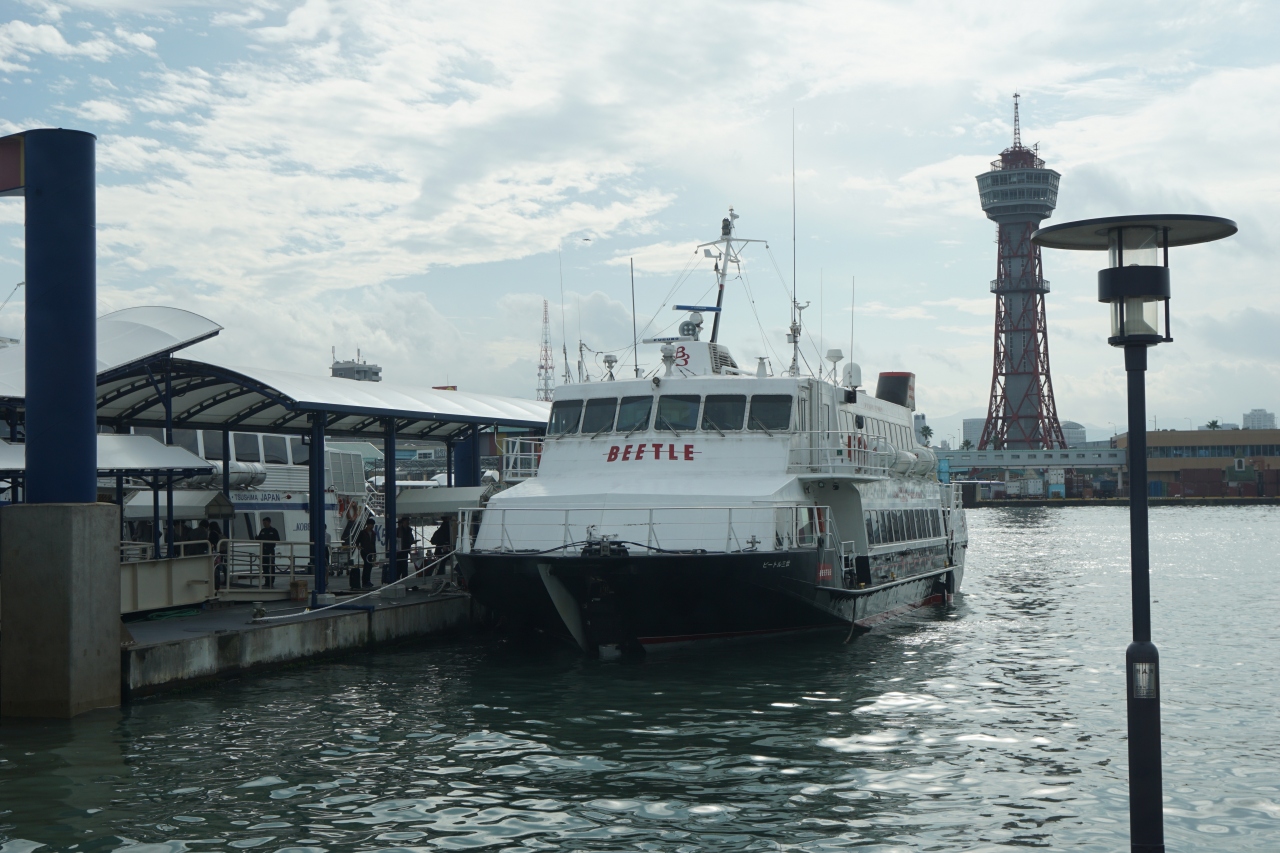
998,722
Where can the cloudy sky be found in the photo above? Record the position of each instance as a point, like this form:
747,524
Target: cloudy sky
410,177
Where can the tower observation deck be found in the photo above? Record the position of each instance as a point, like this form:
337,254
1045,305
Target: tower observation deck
1017,193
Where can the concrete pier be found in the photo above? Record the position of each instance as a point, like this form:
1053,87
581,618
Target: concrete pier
223,642
60,612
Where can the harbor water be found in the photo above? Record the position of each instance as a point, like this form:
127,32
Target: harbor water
996,722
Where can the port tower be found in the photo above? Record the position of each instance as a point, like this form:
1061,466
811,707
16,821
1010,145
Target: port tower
546,359
1017,193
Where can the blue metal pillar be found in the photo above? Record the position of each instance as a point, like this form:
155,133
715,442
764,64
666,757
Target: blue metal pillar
389,497
448,463
226,466
61,340
316,469
168,439
467,471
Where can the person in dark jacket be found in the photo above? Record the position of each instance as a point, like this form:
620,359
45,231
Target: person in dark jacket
268,536
405,540
367,545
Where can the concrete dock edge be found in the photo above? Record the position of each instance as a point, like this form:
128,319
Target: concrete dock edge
152,667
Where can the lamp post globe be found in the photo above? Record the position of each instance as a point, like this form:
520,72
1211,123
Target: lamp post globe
1135,284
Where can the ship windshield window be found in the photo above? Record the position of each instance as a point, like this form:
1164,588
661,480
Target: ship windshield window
186,439
246,445
633,414
677,412
724,411
599,416
301,452
212,444
770,412
275,450
565,415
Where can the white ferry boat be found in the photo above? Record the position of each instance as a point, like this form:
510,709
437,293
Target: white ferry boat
706,502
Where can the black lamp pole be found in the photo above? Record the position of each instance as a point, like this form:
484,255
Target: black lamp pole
1146,812
1131,289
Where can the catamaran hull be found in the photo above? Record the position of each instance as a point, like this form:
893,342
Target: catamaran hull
659,602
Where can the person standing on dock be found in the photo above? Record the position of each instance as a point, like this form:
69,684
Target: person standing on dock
268,536
367,544
405,540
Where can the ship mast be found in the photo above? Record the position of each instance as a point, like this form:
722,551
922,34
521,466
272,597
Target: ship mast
728,249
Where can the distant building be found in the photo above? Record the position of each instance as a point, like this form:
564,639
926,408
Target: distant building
357,370
972,431
1074,433
1220,426
946,445
920,425
1259,419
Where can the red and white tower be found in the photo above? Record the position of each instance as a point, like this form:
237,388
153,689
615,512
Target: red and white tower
1017,194
546,360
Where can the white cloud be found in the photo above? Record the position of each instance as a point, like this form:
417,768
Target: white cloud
111,112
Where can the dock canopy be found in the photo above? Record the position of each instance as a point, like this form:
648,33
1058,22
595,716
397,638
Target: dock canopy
432,503
123,455
187,506
250,399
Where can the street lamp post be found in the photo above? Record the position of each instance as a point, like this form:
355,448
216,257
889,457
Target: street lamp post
1136,285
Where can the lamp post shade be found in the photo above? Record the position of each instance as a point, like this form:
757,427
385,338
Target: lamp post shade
1136,282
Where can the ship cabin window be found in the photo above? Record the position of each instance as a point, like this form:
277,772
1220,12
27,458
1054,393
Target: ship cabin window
885,526
246,447
724,412
565,415
186,439
598,417
677,413
301,452
770,412
633,414
275,450
212,441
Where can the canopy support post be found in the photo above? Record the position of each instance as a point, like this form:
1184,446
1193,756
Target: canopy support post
316,471
168,439
226,466
448,463
389,498
155,518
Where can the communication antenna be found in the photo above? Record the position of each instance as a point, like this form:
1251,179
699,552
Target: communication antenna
1017,126
564,338
546,359
635,346
853,302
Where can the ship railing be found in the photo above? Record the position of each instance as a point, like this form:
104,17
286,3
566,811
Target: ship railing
857,454
520,458
645,530
244,566
951,496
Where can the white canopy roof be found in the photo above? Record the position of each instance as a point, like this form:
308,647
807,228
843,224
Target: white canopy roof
124,337
187,505
251,399
122,454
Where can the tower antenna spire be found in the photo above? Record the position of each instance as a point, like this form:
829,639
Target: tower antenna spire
1017,127
546,360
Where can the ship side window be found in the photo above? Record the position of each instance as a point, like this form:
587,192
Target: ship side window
770,412
301,452
859,421
186,439
677,412
912,530
212,444
724,412
899,528
871,530
275,450
633,414
936,521
599,415
565,415
246,447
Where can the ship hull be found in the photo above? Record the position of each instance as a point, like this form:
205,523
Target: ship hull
651,603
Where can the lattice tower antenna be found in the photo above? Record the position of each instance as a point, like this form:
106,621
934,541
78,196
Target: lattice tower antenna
546,359
1017,193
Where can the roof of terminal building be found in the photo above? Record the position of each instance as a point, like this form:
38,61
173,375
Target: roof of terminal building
136,349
